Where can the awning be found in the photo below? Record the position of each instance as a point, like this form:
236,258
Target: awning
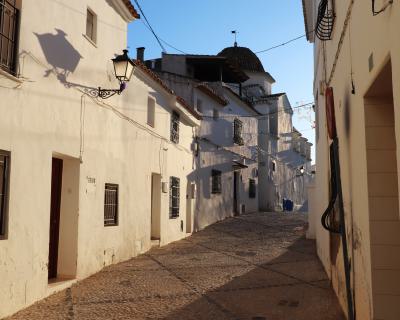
238,165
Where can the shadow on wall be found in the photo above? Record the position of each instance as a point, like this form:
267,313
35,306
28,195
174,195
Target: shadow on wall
59,53
63,58
215,207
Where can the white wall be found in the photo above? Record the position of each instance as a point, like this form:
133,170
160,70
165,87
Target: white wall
101,141
219,154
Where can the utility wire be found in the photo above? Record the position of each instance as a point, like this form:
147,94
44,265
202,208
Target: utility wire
284,43
149,26
264,115
165,42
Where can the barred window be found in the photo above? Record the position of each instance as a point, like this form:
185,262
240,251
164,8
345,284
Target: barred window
237,132
111,205
252,188
9,32
175,127
174,197
4,182
216,181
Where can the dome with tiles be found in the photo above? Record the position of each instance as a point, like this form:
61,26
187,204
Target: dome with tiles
243,58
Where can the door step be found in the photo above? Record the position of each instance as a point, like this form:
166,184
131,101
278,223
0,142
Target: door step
155,243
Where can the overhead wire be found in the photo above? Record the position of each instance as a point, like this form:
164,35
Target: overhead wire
264,115
150,27
284,43
165,42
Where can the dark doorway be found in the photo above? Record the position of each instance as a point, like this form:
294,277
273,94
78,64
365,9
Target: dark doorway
55,205
235,193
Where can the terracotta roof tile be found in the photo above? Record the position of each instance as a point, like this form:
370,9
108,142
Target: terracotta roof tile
131,8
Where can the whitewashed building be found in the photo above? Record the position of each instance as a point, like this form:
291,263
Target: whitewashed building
226,174
284,156
84,181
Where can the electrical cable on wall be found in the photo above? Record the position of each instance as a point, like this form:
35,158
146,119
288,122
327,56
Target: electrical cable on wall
376,12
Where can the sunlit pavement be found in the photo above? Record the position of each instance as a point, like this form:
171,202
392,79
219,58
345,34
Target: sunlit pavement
256,266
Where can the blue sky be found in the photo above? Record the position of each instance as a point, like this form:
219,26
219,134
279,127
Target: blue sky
204,27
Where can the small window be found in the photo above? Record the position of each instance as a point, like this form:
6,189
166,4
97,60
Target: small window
91,25
111,205
174,197
252,188
215,114
273,166
175,127
4,183
216,181
237,132
199,106
9,33
151,112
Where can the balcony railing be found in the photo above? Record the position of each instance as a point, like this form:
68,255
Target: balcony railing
325,20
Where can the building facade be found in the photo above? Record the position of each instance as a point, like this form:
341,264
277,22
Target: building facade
284,155
226,175
356,87
84,181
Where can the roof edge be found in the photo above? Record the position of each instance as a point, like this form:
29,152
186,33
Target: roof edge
159,81
126,9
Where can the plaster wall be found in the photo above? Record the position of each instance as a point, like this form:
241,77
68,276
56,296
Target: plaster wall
48,112
279,162
218,152
367,58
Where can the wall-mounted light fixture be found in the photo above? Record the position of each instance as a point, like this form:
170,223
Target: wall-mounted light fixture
300,171
123,69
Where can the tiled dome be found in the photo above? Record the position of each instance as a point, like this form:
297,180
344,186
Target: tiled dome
243,57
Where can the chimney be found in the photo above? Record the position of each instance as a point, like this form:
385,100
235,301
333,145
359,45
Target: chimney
140,54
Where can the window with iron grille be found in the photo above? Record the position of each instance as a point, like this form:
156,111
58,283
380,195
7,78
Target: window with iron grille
252,188
237,132
216,181
9,32
4,182
111,205
175,127
91,25
174,197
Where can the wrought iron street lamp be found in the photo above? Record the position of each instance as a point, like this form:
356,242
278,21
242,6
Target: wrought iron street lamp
123,69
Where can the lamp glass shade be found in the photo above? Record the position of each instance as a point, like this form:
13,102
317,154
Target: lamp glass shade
123,67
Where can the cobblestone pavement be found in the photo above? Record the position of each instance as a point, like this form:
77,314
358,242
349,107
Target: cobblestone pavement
257,266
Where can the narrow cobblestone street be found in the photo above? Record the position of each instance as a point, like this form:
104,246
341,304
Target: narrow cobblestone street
257,266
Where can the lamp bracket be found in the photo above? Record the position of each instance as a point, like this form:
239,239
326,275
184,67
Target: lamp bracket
107,93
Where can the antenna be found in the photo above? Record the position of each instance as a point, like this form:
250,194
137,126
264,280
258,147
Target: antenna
235,32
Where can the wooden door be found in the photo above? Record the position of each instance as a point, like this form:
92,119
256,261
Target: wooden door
235,192
55,203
